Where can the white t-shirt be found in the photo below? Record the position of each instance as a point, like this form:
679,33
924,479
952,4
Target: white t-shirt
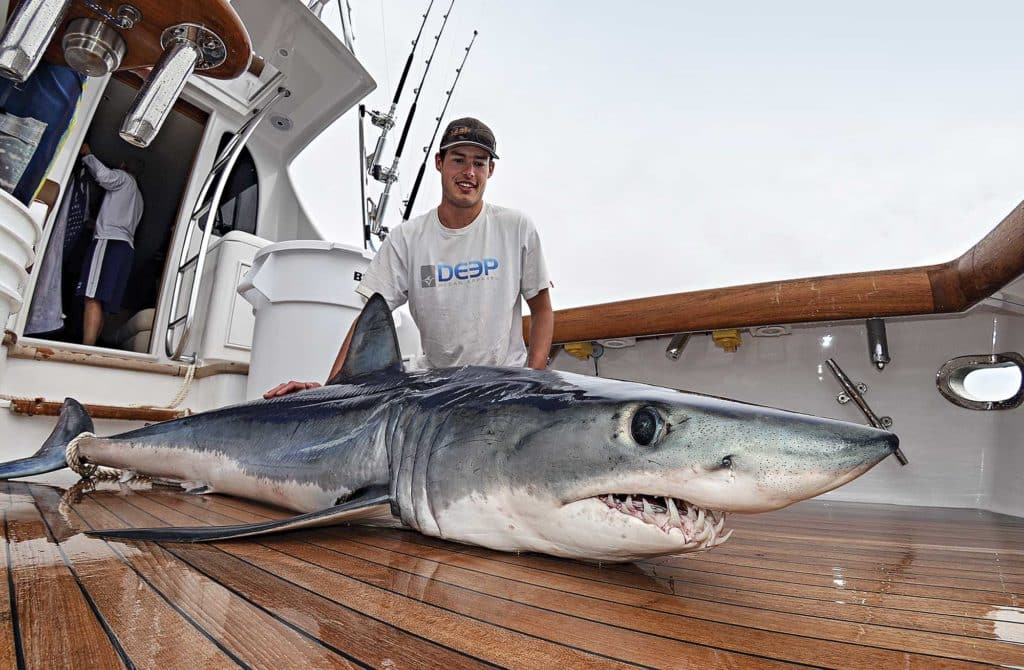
464,287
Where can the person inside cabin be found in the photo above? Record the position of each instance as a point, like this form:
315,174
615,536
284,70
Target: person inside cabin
108,261
464,267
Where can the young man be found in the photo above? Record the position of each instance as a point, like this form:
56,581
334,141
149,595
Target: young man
108,262
464,267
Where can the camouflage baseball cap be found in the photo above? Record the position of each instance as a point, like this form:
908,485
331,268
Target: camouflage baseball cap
469,131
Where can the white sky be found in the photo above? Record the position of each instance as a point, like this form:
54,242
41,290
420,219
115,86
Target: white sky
670,146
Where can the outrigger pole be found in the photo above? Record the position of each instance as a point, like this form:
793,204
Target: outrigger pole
387,121
426,150
389,176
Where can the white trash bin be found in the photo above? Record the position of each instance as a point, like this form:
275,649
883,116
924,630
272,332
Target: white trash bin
303,295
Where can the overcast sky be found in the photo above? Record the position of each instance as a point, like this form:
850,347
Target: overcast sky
670,146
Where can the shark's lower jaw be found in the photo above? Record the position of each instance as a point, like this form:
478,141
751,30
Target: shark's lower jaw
695,527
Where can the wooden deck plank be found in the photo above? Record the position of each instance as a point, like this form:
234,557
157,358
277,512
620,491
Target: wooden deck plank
584,600
366,639
161,638
910,572
646,578
669,612
819,584
56,621
373,642
237,633
10,652
414,608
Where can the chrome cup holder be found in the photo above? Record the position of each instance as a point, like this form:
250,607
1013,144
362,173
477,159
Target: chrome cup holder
93,47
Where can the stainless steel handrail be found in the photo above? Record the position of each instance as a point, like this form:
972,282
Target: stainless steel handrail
220,172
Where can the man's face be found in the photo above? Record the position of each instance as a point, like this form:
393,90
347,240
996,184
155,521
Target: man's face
464,173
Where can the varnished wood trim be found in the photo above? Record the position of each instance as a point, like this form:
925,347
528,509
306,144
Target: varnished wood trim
48,193
60,355
143,40
41,407
949,287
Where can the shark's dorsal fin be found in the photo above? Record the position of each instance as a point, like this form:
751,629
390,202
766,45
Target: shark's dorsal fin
374,344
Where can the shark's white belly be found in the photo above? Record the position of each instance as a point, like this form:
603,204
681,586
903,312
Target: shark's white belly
215,471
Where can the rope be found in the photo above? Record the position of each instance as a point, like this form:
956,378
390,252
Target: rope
87,470
186,386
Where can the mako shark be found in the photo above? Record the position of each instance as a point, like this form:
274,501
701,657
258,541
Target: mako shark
510,459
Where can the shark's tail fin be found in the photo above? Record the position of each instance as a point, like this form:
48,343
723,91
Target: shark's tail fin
73,421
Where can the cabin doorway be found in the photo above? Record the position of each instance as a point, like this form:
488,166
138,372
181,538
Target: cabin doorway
163,173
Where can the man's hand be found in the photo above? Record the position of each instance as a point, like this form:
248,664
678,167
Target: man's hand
85,150
289,387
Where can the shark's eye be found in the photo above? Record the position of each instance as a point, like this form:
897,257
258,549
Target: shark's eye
646,426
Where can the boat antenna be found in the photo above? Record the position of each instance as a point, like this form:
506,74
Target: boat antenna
387,121
426,149
389,176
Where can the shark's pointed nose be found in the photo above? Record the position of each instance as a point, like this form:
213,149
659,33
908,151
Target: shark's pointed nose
894,448
893,441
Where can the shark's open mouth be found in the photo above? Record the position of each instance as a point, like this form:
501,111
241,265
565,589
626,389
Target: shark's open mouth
694,525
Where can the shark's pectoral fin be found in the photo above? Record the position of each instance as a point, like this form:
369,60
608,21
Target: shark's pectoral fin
363,509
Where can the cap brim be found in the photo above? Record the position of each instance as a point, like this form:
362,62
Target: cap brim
475,144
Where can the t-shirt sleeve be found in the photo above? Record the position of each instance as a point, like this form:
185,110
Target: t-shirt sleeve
109,179
535,271
387,275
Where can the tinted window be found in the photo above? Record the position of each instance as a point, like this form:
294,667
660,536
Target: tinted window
240,202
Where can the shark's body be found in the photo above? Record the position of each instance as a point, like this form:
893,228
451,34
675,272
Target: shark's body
512,459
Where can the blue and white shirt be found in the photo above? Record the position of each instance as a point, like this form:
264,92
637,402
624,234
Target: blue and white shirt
464,287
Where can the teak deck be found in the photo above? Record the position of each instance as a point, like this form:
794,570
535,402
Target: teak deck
819,584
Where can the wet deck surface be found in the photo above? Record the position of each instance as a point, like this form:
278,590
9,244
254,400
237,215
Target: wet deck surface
819,584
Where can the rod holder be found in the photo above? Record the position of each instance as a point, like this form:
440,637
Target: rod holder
157,96
676,345
878,346
27,35
187,47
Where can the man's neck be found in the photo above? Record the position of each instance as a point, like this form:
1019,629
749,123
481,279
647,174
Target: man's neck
458,217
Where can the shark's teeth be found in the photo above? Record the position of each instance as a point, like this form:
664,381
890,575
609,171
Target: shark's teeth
698,527
673,514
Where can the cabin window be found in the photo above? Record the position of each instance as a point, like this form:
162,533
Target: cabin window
240,203
983,382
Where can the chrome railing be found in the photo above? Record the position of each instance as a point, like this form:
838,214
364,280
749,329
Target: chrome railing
203,217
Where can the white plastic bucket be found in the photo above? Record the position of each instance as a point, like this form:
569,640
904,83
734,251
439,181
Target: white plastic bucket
304,301
19,233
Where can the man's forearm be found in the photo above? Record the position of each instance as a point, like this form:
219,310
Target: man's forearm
542,329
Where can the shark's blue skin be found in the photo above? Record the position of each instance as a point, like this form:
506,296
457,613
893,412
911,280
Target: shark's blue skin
512,459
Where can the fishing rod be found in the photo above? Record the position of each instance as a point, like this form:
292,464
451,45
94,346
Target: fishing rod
387,121
389,176
426,149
